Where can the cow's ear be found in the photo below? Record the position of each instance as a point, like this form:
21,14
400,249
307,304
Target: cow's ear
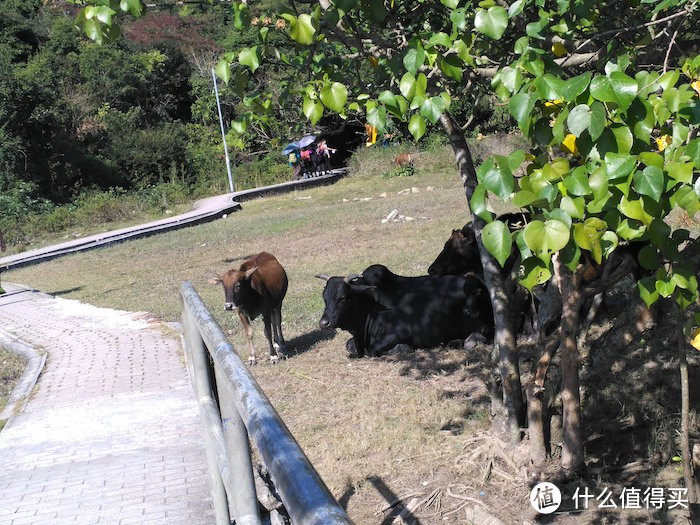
455,232
249,273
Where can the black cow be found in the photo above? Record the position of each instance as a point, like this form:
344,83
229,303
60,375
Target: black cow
382,310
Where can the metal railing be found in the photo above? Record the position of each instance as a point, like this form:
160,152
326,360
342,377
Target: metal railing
245,410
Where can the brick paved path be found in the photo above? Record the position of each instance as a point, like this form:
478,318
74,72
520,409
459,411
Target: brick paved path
111,433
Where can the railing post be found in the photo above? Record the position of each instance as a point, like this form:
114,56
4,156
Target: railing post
244,501
197,354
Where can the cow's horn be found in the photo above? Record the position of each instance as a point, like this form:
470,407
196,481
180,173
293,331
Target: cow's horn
349,278
322,276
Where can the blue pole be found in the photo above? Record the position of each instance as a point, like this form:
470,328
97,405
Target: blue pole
223,134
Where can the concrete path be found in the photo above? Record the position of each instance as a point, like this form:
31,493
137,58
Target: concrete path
111,433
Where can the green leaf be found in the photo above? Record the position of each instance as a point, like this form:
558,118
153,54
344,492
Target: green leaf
511,78
478,204
623,138
223,71
521,106
618,165
516,8
133,7
686,198
495,179
407,86
624,88
440,39
491,23
497,240
598,120
573,87
579,119
93,30
647,290
634,209
680,171
652,159
664,285
693,151
432,109
549,87
649,182
249,57
414,59
302,29
609,242
573,207
577,182
545,238
416,126
643,119
377,117
451,65
648,257
598,182
334,96
312,109
533,272
602,90
452,4
588,235
516,159
570,255
524,198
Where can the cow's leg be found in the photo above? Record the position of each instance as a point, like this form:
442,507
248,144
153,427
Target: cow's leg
249,334
279,344
267,319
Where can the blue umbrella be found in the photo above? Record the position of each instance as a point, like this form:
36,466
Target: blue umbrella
305,141
293,146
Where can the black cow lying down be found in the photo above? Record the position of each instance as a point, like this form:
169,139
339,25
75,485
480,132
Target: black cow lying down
382,310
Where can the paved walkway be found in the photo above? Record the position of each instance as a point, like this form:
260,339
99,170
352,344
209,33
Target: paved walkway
111,433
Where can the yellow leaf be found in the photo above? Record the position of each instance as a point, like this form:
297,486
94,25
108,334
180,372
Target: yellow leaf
373,61
569,144
558,49
663,142
696,86
695,339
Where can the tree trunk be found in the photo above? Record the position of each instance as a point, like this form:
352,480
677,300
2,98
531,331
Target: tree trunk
569,286
685,411
493,279
536,411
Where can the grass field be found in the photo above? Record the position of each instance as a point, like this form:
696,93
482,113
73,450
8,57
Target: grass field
404,427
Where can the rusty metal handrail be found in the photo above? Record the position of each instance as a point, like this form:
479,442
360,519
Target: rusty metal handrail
304,494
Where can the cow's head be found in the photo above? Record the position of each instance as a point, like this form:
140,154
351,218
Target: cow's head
338,296
237,287
459,255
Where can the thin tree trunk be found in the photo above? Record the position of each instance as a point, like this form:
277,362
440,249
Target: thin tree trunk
568,281
535,408
495,283
685,411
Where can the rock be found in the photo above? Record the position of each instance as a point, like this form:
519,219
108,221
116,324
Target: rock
383,195
393,215
429,188
414,190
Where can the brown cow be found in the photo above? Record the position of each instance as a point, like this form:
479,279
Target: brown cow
404,159
258,287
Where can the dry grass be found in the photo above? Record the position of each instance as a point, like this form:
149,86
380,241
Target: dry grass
11,368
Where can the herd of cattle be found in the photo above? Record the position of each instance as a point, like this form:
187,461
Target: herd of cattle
380,309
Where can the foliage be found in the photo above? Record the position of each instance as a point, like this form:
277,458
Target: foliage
402,171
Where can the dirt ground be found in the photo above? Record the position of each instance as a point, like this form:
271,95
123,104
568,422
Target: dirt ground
455,467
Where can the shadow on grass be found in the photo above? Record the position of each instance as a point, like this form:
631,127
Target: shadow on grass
398,507
67,291
305,342
229,260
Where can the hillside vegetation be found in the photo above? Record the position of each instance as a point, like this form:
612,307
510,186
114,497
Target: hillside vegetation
406,429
